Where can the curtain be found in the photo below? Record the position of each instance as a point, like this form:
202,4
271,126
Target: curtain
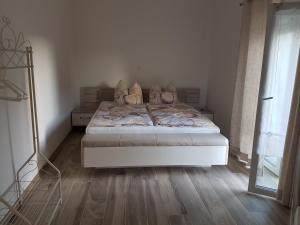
252,44
295,218
291,37
252,48
280,78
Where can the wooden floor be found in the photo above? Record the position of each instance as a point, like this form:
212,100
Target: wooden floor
162,196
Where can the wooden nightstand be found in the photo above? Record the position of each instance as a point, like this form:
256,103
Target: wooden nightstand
81,116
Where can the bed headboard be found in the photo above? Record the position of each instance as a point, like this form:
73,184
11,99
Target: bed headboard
92,96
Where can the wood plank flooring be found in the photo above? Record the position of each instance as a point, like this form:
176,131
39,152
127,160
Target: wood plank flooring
158,196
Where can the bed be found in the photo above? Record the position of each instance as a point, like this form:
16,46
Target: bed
150,135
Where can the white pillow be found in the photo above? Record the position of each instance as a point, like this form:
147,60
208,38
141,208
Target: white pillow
169,96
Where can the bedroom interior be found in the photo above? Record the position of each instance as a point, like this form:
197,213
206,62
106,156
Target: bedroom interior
150,112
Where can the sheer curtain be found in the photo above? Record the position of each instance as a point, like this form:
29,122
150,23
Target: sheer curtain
289,21
282,65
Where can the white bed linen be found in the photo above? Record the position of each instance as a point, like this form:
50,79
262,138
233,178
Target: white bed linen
212,128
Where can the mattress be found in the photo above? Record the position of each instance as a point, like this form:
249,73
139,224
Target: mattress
97,126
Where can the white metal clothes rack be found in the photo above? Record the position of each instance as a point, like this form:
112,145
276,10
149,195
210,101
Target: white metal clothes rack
27,201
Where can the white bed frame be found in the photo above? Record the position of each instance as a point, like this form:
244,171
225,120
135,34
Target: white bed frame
95,154
152,156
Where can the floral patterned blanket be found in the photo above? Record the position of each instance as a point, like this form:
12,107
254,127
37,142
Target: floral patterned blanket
177,115
109,114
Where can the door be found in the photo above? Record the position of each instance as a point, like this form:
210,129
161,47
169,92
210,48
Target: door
275,98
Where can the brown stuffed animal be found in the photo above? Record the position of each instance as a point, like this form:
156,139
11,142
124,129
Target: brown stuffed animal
121,91
135,95
155,95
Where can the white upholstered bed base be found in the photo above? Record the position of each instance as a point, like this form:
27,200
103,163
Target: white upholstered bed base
111,151
150,156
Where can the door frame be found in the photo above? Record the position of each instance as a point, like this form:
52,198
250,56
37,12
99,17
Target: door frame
292,116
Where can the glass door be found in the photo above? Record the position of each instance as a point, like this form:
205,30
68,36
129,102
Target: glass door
275,98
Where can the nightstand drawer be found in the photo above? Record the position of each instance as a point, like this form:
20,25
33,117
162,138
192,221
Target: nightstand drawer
81,119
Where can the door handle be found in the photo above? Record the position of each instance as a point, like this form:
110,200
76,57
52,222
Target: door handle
268,98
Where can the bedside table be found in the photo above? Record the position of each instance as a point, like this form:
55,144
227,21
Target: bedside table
207,113
81,116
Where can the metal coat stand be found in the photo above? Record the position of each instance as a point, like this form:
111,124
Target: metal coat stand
35,196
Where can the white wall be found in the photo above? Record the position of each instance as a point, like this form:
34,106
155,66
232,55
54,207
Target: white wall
192,43
48,26
225,48
148,41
